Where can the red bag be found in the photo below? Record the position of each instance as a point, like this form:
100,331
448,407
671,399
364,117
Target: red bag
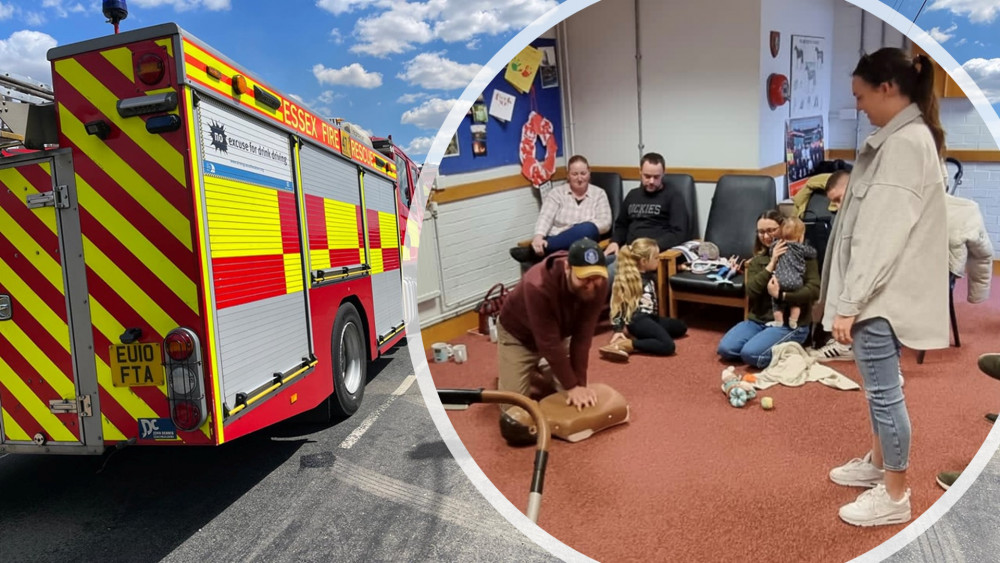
490,307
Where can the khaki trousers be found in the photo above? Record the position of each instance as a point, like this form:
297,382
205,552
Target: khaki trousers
519,365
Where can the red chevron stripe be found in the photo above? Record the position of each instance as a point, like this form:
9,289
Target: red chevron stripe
38,383
175,193
134,213
45,342
48,293
123,88
137,271
20,414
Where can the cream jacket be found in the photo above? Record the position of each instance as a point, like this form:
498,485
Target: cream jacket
888,252
970,249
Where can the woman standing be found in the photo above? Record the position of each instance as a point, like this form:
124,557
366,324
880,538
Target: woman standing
885,276
751,340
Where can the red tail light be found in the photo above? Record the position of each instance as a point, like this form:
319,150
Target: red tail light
187,416
150,69
180,345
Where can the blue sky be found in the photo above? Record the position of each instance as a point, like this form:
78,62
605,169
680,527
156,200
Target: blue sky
390,66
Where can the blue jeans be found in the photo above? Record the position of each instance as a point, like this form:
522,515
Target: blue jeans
751,342
876,353
565,239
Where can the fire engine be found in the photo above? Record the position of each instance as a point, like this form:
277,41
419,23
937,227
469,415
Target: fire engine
186,254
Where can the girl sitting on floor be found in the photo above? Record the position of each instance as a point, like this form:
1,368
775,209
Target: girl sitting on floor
634,306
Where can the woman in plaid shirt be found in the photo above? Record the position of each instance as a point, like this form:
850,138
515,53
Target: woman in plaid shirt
569,213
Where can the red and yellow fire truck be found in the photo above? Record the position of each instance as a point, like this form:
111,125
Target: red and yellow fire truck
189,255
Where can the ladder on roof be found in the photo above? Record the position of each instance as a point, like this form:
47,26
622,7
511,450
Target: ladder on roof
27,114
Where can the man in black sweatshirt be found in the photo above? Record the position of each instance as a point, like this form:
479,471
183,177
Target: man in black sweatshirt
652,212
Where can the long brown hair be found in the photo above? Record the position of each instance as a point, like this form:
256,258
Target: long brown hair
773,215
627,290
915,79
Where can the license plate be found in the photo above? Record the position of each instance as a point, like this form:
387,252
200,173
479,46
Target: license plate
136,365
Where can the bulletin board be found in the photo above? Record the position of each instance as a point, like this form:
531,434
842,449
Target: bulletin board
502,138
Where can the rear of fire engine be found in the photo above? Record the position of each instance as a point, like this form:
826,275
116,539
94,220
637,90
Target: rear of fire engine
188,256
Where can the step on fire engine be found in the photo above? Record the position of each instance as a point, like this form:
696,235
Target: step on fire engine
186,254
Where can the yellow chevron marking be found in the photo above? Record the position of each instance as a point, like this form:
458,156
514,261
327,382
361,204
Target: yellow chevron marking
61,382
211,362
168,43
35,307
243,220
147,252
134,295
109,431
13,430
104,100
147,196
32,251
121,58
387,230
38,410
293,273
341,224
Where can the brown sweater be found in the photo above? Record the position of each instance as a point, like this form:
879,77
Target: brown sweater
542,311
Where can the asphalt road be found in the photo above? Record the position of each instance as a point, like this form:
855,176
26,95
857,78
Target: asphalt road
380,486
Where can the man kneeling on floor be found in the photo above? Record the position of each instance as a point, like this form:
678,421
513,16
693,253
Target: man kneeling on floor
551,315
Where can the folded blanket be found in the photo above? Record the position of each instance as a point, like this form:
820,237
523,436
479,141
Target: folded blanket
792,366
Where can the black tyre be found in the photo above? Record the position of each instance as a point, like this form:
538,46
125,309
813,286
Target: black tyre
350,362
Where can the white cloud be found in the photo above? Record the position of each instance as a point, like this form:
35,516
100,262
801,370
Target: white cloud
434,72
986,73
403,25
186,5
336,36
428,115
392,32
337,7
943,35
979,11
410,98
961,42
6,11
23,53
34,19
350,75
419,145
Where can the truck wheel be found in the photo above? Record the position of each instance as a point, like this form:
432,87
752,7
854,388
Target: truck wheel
350,362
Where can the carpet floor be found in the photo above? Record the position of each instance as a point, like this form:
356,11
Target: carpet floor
690,478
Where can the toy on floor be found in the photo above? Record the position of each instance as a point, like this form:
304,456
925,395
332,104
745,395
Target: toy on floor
738,388
767,403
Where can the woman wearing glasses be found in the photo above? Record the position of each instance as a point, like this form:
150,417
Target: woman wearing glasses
751,340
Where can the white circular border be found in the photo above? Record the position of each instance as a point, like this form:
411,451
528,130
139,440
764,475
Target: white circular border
415,341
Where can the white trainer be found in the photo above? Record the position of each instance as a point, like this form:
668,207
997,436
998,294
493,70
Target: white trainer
833,351
858,473
875,508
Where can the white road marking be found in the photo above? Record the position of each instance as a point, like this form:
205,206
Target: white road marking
353,437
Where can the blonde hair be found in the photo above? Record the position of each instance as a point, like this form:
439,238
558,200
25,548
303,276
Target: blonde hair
792,228
627,289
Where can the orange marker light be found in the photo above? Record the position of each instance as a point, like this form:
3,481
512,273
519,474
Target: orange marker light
214,72
240,84
293,398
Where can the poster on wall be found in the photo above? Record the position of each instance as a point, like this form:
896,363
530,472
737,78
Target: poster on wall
804,150
547,69
452,148
808,77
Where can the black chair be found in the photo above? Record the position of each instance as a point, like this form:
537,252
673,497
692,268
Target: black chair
732,223
684,183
